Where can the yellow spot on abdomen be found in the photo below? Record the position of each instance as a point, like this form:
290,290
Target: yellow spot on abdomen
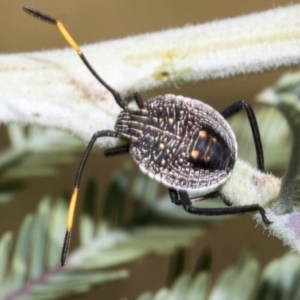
202,134
195,154
161,146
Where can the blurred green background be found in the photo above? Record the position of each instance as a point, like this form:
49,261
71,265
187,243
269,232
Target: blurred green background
92,21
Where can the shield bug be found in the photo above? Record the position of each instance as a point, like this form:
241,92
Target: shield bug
183,143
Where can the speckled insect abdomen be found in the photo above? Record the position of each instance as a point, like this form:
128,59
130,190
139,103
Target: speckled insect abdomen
183,143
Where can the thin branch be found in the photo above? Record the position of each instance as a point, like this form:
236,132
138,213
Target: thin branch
53,88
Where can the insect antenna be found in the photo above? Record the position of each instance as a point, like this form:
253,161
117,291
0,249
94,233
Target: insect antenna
47,18
44,17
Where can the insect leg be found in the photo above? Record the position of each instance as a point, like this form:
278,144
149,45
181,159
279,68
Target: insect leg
174,197
235,108
96,135
116,150
187,205
210,196
139,101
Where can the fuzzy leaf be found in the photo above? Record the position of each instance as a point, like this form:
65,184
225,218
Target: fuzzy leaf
20,257
237,283
35,270
33,152
38,242
199,287
219,49
281,279
5,246
57,221
37,152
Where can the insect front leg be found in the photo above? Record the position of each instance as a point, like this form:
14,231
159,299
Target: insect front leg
116,150
96,135
139,101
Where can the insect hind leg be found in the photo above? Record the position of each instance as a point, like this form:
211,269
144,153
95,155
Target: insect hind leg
174,197
187,205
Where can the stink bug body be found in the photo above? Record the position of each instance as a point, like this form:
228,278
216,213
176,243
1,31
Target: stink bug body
181,142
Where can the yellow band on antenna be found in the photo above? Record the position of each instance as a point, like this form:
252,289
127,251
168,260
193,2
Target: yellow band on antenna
72,209
67,36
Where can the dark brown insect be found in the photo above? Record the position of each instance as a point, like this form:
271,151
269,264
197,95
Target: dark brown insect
181,142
